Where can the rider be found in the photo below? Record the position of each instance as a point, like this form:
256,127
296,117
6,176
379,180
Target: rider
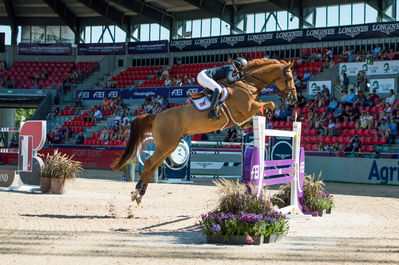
208,78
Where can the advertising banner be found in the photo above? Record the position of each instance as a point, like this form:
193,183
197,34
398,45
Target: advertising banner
377,30
377,68
139,93
355,170
382,86
44,49
102,48
312,86
147,47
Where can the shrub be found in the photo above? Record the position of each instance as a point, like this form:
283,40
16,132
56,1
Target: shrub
60,166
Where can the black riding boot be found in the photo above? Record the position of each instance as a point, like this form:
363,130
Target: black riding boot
214,102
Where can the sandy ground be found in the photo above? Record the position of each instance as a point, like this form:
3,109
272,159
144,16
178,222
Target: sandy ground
90,225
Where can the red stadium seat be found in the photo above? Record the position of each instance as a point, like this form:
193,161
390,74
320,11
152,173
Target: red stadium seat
367,140
334,139
370,148
382,140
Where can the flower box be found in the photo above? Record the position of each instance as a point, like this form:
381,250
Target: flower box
273,238
235,240
328,211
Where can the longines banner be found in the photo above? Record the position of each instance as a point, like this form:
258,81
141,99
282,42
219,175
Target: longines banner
378,30
377,68
382,86
312,86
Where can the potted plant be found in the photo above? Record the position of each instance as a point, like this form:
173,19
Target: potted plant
314,196
241,217
279,228
58,168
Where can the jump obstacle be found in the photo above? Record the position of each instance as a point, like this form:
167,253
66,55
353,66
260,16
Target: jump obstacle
257,171
32,136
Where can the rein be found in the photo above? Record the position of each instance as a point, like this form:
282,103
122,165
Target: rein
286,79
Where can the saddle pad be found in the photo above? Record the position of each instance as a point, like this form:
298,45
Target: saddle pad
204,103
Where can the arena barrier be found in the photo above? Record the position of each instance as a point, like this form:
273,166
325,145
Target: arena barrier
32,137
215,159
257,171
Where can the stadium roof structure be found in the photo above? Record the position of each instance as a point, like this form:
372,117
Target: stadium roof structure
123,13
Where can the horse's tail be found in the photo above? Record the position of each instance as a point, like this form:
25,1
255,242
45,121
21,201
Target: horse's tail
139,126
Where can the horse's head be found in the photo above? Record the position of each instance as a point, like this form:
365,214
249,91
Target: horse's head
273,75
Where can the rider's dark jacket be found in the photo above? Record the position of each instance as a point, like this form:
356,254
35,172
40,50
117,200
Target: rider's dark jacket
223,72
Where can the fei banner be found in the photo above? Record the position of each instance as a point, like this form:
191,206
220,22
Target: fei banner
44,49
102,48
139,93
147,47
312,86
377,30
382,86
377,68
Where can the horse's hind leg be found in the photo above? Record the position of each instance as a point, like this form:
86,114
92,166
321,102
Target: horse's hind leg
150,165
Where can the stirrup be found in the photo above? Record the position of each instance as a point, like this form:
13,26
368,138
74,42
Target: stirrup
213,114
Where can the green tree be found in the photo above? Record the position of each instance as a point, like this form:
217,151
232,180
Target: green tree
24,114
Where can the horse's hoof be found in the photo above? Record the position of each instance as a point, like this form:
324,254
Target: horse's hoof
134,195
138,200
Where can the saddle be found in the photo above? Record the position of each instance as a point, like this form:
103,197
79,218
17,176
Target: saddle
204,93
201,100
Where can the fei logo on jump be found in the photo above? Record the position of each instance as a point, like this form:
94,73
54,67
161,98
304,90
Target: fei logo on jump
255,172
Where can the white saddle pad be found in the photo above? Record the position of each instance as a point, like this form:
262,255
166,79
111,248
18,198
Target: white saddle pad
204,103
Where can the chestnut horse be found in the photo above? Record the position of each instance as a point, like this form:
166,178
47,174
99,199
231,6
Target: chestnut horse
170,126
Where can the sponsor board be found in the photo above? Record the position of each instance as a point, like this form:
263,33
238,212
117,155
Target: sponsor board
377,68
382,86
312,86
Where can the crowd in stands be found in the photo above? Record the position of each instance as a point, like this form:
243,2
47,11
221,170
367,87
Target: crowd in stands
44,75
367,119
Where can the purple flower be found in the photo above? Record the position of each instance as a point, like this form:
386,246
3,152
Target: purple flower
228,216
213,215
249,239
250,217
215,228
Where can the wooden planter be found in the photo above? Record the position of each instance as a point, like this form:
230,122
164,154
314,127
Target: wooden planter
45,185
234,240
58,186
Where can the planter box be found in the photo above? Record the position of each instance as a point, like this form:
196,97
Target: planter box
58,186
45,185
328,211
234,240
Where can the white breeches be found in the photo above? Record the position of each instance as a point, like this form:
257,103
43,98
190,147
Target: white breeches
208,82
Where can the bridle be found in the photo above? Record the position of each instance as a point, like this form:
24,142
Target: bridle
288,92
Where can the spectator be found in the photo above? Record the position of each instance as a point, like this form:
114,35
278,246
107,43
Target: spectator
332,106
232,135
392,130
372,97
331,128
361,99
106,104
98,115
119,102
376,50
355,141
391,97
301,99
90,116
325,90
343,97
78,104
80,139
168,82
391,55
338,127
361,80
165,73
338,113
351,98
363,120
345,82
341,151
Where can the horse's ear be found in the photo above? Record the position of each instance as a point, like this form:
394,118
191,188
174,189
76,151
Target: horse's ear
290,64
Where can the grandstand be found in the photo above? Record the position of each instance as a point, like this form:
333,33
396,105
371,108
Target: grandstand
93,66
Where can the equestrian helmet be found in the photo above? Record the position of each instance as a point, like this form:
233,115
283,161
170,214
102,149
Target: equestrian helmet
240,62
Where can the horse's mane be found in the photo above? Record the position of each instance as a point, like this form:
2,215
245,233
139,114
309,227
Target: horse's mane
261,62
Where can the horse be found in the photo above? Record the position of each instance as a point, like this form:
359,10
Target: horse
170,126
